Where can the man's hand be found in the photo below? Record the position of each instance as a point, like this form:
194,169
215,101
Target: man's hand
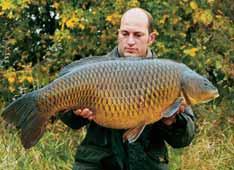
170,120
85,113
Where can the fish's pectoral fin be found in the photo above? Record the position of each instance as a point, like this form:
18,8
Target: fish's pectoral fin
173,108
131,135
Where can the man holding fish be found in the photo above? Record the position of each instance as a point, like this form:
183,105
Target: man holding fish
104,148
137,103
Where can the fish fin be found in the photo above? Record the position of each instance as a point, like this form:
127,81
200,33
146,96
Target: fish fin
72,66
173,108
92,59
24,114
33,130
131,135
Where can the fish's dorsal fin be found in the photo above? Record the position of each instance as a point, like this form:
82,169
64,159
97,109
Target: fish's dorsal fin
87,60
92,59
173,108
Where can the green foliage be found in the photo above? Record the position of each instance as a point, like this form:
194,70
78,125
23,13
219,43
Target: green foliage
37,38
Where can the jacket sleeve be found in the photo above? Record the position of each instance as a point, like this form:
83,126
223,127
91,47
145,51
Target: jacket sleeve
181,133
73,121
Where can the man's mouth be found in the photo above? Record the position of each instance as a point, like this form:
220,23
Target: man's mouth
130,50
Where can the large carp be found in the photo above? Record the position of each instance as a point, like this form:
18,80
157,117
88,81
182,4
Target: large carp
123,93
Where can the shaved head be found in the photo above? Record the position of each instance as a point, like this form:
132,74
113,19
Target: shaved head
139,14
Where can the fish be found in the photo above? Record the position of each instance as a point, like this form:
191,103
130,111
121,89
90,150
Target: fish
124,93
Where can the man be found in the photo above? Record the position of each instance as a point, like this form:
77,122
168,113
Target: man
103,148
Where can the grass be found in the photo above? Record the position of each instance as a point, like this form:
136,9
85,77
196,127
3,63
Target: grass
54,151
212,148
213,145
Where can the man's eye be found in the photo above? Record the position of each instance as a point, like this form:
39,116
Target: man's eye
124,34
138,35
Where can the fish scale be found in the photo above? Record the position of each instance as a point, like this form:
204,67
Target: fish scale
139,80
123,94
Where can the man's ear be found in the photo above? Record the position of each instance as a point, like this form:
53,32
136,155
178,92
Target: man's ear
152,37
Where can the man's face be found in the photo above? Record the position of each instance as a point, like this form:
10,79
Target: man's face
133,36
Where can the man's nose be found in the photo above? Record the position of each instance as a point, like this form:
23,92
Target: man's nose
131,40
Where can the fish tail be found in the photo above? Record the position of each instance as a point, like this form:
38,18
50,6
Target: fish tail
24,114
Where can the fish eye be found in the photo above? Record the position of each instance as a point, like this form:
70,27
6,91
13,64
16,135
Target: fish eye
205,82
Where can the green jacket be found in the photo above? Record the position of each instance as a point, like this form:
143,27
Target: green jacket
103,148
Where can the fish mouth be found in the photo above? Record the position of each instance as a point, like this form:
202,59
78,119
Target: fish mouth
212,95
215,94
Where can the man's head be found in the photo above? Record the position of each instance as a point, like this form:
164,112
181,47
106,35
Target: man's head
136,33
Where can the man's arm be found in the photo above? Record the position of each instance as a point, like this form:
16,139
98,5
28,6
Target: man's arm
181,132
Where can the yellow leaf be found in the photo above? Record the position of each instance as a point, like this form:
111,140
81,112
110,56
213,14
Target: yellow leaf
191,52
11,89
133,3
164,18
10,15
81,26
11,80
203,16
29,79
193,5
10,75
6,5
64,19
114,18
206,17
55,5
21,78
25,3
175,20
61,35
71,23
11,41
120,4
